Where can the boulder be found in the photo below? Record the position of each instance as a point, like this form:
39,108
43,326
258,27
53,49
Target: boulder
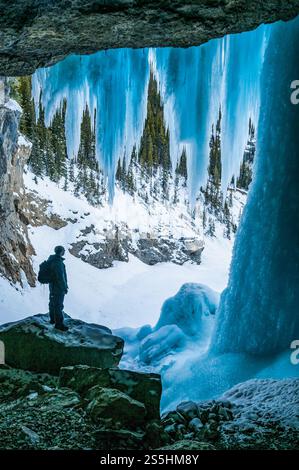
188,409
115,407
34,344
143,387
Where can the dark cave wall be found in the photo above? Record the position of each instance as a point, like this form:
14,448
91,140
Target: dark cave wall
35,33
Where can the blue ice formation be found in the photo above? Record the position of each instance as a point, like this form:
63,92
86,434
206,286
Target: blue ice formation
259,310
187,307
113,84
186,321
194,84
167,340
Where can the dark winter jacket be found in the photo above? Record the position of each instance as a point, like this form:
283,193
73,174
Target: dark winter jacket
59,282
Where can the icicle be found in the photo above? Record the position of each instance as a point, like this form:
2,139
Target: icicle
193,83
113,85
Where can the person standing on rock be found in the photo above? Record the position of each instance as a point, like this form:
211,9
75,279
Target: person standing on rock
58,287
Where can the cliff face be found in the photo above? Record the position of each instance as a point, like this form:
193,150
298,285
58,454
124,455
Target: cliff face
35,33
15,248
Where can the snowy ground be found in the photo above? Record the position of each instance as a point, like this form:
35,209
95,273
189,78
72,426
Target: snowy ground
128,294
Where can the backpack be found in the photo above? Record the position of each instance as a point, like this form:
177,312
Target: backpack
45,274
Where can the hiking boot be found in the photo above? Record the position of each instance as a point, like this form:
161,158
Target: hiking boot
61,327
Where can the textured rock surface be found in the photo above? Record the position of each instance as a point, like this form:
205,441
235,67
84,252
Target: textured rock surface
34,33
150,250
15,248
145,388
116,407
38,211
257,414
35,413
33,344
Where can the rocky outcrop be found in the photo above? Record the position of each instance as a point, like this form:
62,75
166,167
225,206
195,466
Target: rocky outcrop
38,211
114,406
150,250
88,418
38,33
33,344
142,387
15,248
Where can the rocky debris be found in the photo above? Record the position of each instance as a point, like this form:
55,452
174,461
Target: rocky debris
37,413
34,344
150,250
15,248
34,414
31,435
265,414
142,387
33,35
257,414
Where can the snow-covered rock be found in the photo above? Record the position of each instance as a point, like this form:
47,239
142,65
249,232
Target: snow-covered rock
153,230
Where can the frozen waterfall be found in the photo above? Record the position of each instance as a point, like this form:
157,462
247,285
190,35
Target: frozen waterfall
259,310
194,84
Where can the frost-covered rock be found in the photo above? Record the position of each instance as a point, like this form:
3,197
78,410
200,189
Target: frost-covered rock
187,307
161,343
34,344
143,387
267,398
256,414
187,409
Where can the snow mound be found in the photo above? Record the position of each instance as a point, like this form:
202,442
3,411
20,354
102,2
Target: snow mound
186,308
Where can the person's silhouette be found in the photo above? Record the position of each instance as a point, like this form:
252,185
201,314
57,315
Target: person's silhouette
58,288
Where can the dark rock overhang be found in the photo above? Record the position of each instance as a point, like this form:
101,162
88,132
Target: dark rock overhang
36,33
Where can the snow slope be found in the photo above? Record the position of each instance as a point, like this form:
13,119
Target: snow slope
128,294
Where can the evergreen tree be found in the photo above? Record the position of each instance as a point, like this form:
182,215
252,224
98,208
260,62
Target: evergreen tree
181,168
245,177
154,146
215,168
21,91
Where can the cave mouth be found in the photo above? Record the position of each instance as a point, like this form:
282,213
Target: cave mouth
219,127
